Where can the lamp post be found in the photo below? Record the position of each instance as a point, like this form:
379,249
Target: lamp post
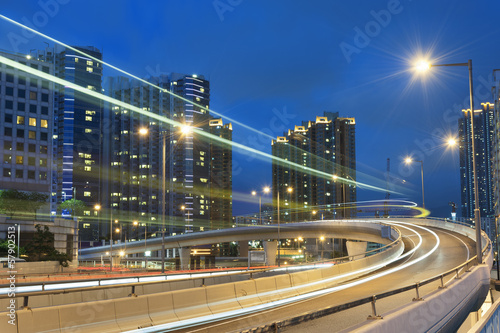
254,193
144,131
136,223
289,190
322,239
344,195
408,161
423,66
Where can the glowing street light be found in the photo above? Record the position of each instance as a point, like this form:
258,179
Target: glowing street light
186,129
408,161
451,142
422,66
477,213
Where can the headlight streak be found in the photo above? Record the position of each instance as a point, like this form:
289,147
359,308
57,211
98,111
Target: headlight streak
258,308
163,119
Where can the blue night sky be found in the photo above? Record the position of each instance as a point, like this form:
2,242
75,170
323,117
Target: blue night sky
272,64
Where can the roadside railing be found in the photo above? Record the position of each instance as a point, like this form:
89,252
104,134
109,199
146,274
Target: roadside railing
372,299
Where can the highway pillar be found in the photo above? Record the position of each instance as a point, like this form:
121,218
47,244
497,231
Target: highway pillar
356,250
270,248
184,255
243,248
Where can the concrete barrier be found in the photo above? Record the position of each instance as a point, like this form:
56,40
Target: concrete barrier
284,286
190,303
69,298
266,289
300,281
246,293
161,308
88,317
39,301
182,284
132,313
154,288
112,293
93,295
5,327
38,320
221,298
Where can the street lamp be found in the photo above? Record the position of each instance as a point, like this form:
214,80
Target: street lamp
423,66
344,195
136,223
322,238
144,131
289,190
409,160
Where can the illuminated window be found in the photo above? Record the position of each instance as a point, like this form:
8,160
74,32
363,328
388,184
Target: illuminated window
19,160
90,69
87,155
32,121
88,162
90,112
76,60
86,225
202,89
43,162
88,118
20,120
88,130
202,153
203,180
86,194
89,63
87,168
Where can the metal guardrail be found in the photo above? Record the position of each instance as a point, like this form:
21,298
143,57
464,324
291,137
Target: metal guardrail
273,327
133,285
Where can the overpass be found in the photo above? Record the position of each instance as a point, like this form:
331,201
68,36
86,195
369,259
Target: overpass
434,251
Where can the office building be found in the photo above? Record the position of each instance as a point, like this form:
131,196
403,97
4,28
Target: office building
495,152
77,136
197,187
484,136
325,148
26,113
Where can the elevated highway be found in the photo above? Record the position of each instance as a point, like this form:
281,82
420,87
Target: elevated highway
431,248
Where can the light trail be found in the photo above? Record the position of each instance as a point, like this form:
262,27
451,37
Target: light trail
288,301
174,123
133,76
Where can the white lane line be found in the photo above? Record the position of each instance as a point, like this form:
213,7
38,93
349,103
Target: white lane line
259,308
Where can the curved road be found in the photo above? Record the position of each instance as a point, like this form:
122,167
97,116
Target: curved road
454,249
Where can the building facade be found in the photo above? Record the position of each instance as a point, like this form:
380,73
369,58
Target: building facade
26,113
197,188
325,148
484,136
495,158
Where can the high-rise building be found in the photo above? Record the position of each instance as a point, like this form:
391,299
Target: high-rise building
322,173
221,203
198,169
77,137
484,136
495,152
26,112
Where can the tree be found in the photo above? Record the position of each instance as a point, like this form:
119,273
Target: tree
14,202
41,248
35,201
75,207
